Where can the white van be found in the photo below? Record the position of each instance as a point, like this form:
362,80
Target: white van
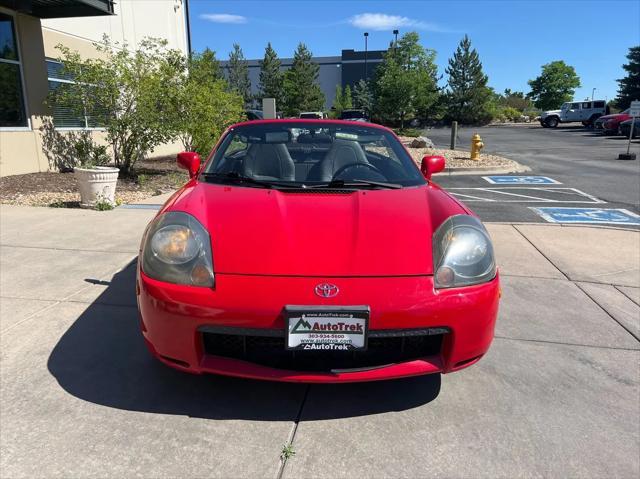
586,112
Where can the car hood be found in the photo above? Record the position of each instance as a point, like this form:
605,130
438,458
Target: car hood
550,112
363,233
615,116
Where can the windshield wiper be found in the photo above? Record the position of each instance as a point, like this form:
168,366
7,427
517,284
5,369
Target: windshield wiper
351,183
238,178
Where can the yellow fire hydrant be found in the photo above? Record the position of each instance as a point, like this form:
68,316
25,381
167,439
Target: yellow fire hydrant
476,146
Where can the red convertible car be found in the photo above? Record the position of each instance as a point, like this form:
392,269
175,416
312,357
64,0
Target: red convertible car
315,251
610,124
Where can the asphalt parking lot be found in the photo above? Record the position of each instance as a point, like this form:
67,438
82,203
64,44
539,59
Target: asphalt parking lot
583,163
556,396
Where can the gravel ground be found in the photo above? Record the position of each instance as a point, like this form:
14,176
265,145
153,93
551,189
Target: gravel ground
458,158
152,177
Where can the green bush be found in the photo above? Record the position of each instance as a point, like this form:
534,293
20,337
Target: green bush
511,113
71,149
412,132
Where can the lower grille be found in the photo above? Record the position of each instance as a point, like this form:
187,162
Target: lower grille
267,348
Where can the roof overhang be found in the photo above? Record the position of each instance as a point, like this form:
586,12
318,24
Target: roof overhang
60,8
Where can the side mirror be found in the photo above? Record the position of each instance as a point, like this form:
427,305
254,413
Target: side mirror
190,161
431,165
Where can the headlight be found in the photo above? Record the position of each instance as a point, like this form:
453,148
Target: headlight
462,253
177,249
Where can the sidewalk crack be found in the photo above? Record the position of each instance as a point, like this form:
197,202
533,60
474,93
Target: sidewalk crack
607,312
539,251
292,435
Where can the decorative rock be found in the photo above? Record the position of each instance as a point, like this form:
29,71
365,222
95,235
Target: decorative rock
422,142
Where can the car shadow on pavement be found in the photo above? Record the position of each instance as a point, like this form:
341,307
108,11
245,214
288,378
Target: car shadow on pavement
102,359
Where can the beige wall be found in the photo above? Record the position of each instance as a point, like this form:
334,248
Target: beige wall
133,21
21,149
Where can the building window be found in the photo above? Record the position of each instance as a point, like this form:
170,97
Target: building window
12,109
66,116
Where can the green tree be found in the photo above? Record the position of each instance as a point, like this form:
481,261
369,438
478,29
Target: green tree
554,86
238,74
342,100
363,96
514,99
469,99
271,78
206,66
347,100
393,91
301,89
130,93
406,81
629,86
204,105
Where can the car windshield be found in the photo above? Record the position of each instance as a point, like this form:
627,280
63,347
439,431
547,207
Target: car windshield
293,154
310,116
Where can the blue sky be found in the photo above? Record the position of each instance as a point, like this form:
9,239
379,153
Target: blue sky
514,38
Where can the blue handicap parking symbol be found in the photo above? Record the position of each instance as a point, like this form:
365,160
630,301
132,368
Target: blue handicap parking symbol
617,216
521,180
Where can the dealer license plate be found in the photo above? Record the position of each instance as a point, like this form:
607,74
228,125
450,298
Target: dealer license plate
324,328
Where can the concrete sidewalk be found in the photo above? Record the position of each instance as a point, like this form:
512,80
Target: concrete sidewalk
80,396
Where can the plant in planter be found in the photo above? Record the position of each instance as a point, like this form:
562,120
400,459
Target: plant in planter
78,152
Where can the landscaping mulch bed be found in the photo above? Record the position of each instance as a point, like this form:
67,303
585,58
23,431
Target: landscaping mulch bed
161,175
151,177
460,158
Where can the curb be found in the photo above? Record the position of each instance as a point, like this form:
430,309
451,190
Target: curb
483,170
630,228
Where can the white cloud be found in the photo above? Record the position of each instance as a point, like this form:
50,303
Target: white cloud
224,18
382,21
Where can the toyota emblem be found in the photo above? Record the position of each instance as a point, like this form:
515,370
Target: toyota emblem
327,290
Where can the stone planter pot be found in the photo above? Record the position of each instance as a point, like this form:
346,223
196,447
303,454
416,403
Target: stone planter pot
98,183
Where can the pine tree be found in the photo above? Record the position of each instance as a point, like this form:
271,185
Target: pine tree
469,99
406,81
347,101
363,96
301,89
238,74
342,101
271,78
337,106
204,67
629,86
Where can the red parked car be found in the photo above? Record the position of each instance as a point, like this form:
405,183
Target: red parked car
610,124
315,251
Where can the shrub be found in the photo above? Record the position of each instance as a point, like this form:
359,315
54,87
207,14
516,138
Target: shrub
129,92
68,150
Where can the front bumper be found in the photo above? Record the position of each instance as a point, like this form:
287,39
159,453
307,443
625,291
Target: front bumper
201,330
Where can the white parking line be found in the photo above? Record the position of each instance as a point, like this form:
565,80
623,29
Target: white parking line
529,194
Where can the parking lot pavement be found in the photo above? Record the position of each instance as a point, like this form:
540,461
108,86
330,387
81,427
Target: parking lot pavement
81,397
582,164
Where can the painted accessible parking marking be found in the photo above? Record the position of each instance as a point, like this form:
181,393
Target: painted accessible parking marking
521,180
530,194
617,216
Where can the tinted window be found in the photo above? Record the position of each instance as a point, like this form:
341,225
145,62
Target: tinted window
586,106
598,104
349,114
12,111
575,106
306,154
8,49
